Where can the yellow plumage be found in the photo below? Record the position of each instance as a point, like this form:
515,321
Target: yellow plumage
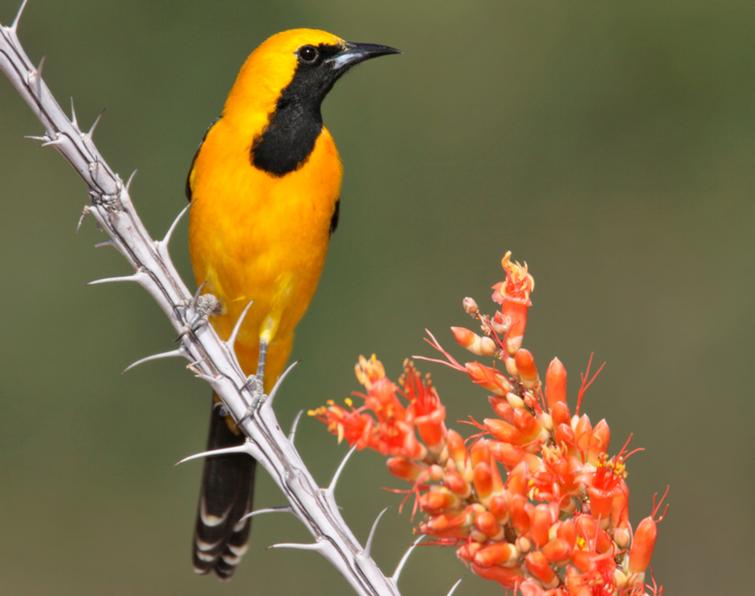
254,235
264,190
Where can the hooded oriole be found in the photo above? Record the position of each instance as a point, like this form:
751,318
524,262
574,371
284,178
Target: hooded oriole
264,188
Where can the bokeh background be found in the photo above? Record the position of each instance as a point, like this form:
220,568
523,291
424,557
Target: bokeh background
610,145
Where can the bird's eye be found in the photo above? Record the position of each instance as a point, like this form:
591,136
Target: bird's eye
308,54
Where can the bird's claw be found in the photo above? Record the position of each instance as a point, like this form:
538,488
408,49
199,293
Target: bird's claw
255,386
198,311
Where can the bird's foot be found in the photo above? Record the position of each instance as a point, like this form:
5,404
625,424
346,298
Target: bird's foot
255,386
197,312
256,383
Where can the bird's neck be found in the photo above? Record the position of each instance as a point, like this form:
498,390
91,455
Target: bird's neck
289,136
281,124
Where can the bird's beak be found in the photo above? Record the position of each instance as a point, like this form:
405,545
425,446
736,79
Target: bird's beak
354,53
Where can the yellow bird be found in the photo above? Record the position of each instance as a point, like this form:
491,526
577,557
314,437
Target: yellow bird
264,188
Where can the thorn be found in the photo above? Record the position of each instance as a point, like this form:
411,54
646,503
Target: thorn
298,546
453,588
256,512
170,354
231,342
332,486
295,426
88,134
194,366
74,121
242,448
206,378
368,546
274,391
104,244
36,76
52,141
43,138
166,239
404,559
17,20
84,212
130,179
137,277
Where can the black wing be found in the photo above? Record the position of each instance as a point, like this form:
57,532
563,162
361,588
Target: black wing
194,159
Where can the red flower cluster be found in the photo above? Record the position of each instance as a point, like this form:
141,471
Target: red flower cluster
532,501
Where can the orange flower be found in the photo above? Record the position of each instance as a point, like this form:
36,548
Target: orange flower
425,408
533,500
513,294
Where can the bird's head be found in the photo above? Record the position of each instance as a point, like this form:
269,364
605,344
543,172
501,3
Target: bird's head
297,65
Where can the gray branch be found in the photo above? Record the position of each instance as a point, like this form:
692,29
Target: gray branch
208,355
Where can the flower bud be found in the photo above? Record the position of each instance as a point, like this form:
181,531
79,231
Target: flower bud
557,550
467,551
477,344
619,579
480,452
508,577
499,324
564,434
643,544
560,413
506,453
486,523
601,436
404,468
555,383
501,406
523,544
448,524
501,553
488,378
583,433
437,500
454,481
621,535
520,519
499,507
538,566
470,306
540,523
502,430
483,481
525,366
514,400
456,449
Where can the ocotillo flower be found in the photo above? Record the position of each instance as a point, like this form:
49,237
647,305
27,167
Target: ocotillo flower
533,500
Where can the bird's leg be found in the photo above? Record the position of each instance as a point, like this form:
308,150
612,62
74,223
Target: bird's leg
261,362
256,383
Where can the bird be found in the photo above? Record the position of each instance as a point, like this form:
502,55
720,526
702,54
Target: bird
264,191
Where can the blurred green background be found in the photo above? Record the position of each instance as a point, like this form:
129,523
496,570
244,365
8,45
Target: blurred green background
610,145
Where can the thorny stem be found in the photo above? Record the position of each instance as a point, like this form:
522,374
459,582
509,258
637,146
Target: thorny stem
114,212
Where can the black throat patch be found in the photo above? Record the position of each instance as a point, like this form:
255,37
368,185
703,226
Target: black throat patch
294,126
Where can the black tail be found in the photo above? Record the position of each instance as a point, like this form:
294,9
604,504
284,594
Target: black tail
225,496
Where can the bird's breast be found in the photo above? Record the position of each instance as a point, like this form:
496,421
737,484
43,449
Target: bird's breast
256,236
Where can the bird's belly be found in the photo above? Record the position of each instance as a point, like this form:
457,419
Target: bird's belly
262,239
